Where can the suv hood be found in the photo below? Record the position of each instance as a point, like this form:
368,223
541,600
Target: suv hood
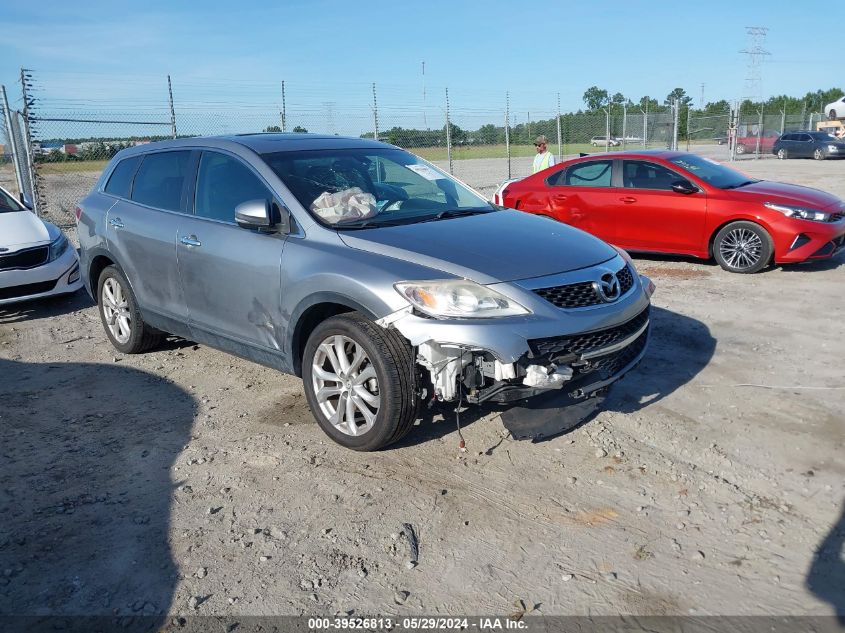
790,194
19,229
487,248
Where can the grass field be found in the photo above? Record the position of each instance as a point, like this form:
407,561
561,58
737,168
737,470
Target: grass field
72,166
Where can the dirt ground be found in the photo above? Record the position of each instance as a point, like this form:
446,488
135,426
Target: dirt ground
188,481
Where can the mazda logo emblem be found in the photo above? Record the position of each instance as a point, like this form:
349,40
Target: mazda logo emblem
607,287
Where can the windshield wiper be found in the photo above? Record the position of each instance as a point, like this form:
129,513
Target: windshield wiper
742,184
456,213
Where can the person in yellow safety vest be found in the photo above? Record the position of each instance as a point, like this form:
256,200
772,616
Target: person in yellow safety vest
544,158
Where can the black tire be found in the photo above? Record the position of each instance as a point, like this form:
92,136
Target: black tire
142,336
831,115
740,148
819,154
782,154
393,360
723,241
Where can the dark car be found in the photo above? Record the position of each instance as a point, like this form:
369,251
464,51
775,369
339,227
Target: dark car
818,145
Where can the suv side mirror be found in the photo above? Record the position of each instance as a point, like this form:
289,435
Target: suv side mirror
255,214
263,215
684,186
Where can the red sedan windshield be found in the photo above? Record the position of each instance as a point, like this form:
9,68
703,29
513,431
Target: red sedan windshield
711,172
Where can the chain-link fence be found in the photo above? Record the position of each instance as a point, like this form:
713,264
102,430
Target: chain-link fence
65,137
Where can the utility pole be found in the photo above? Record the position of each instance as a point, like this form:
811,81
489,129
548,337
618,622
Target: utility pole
507,131
172,111
375,114
755,52
284,110
701,103
448,132
425,119
559,148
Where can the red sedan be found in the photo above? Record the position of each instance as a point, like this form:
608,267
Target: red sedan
673,202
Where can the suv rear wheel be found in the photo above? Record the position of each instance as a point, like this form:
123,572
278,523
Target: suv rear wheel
360,382
743,247
120,315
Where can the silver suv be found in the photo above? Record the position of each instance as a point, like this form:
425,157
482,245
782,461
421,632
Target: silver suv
378,279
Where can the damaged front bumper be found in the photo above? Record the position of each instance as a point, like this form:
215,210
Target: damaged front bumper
545,374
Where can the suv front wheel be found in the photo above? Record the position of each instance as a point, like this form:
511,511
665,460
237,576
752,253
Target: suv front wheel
360,382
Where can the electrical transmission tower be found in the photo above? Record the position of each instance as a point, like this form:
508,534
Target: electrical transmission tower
756,52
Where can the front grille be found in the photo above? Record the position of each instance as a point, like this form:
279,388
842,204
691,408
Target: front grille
615,362
28,258
582,294
567,348
27,289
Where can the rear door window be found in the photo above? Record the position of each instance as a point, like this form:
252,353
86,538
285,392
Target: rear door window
224,182
160,180
595,173
120,181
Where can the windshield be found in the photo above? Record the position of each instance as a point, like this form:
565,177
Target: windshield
711,172
8,203
356,188
823,136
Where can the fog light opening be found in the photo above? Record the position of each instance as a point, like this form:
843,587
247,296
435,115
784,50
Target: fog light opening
73,277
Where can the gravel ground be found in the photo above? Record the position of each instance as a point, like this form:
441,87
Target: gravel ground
188,481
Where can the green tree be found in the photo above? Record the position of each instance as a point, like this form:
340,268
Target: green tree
300,129
681,95
596,98
272,128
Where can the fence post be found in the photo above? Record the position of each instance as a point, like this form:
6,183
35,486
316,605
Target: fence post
172,111
733,126
284,110
375,114
448,133
783,120
689,119
645,124
16,157
676,111
508,130
30,163
624,125
559,148
606,130
759,132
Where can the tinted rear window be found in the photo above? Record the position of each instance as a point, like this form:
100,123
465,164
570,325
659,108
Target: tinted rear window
120,181
159,180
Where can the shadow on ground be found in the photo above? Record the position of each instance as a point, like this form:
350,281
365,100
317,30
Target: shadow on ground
680,347
86,489
45,308
826,576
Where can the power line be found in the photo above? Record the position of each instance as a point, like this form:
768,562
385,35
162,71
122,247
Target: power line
756,53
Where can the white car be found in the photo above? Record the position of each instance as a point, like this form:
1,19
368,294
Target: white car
36,259
836,110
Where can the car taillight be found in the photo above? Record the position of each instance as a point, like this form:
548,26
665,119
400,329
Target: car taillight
78,213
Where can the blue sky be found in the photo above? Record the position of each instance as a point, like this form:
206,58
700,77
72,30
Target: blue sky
225,55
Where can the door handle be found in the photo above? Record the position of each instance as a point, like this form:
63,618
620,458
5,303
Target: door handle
190,240
116,223
627,200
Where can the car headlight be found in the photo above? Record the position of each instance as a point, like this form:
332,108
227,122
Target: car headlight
458,298
832,148
57,247
799,212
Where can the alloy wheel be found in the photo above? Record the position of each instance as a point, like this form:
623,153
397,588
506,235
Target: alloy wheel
345,385
116,310
741,248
